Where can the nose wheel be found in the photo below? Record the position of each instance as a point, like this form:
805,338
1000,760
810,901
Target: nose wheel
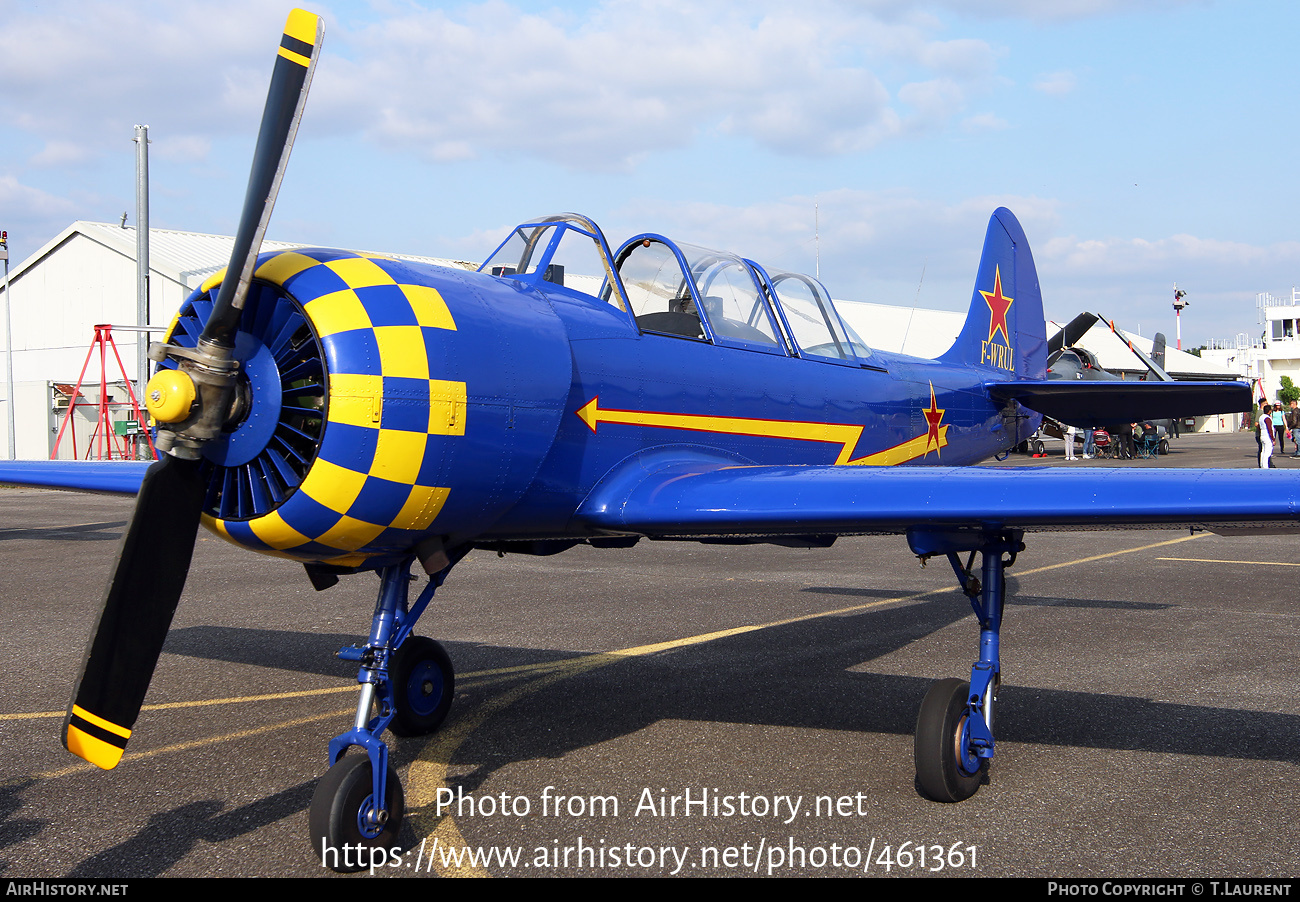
407,684
347,828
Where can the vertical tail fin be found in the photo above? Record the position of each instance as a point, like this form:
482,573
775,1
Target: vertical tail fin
1004,332
1158,350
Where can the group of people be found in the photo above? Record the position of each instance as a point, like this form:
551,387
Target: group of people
1124,435
1276,425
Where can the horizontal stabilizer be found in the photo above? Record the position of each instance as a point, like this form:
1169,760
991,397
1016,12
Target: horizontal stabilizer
117,477
1091,404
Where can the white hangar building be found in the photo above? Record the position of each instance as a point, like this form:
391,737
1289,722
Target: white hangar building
83,277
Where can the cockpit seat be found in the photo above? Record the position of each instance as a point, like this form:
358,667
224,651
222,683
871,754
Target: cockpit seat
684,324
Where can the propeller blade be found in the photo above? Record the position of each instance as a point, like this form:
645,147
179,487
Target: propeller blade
152,562
210,367
154,557
294,64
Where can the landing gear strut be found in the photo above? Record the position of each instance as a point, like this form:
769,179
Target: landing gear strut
954,729
407,683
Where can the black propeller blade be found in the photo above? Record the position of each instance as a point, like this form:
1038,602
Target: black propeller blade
154,557
152,562
285,100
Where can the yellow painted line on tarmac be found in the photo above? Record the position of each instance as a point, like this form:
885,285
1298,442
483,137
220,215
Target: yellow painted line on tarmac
1100,557
185,746
1208,560
428,772
202,703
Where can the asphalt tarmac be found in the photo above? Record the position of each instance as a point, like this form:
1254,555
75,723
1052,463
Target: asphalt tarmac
1147,723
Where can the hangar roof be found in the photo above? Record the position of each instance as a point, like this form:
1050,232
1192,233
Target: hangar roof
186,257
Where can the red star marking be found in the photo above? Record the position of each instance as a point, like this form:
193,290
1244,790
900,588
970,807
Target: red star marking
933,416
998,306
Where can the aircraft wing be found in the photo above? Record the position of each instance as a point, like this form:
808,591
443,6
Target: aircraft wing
709,497
118,477
699,499
1090,404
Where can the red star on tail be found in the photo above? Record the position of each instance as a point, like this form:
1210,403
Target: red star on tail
998,306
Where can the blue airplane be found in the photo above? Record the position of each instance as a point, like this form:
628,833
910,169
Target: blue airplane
354,412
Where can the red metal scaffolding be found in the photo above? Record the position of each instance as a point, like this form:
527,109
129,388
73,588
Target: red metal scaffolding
104,441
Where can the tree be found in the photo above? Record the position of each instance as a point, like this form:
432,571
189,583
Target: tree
1289,391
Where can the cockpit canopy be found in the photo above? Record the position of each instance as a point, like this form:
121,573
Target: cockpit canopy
681,290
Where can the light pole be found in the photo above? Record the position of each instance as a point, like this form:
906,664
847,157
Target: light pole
1179,304
141,254
9,352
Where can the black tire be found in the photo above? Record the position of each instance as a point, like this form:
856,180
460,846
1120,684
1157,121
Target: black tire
341,796
423,686
1163,447
939,774
1039,447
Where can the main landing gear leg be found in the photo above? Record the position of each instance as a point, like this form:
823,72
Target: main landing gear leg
407,683
954,729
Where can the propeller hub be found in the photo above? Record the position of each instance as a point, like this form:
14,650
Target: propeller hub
169,396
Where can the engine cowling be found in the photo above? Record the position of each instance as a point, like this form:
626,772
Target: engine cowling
381,402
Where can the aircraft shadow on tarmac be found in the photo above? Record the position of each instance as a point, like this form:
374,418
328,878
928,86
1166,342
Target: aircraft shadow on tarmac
14,829
806,674
171,835
792,675
304,652
799,675
109,531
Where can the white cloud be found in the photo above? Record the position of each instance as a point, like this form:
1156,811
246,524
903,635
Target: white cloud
61,153
1055,83
595,89
1034,10
875,246
190,148
31,216
1111,257
84,74
1132,278
984,122
866,237
638,76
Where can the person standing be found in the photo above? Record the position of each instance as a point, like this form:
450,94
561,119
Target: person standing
1070,432
1265,437
1279,427
1089,446
1125,433
1292,425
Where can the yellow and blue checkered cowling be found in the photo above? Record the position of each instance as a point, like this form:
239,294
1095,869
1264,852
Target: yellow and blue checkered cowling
363,437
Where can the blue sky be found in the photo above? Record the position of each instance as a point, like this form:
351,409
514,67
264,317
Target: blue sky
1140,143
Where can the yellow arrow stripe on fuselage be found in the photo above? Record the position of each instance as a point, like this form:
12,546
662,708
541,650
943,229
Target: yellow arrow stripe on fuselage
844,435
